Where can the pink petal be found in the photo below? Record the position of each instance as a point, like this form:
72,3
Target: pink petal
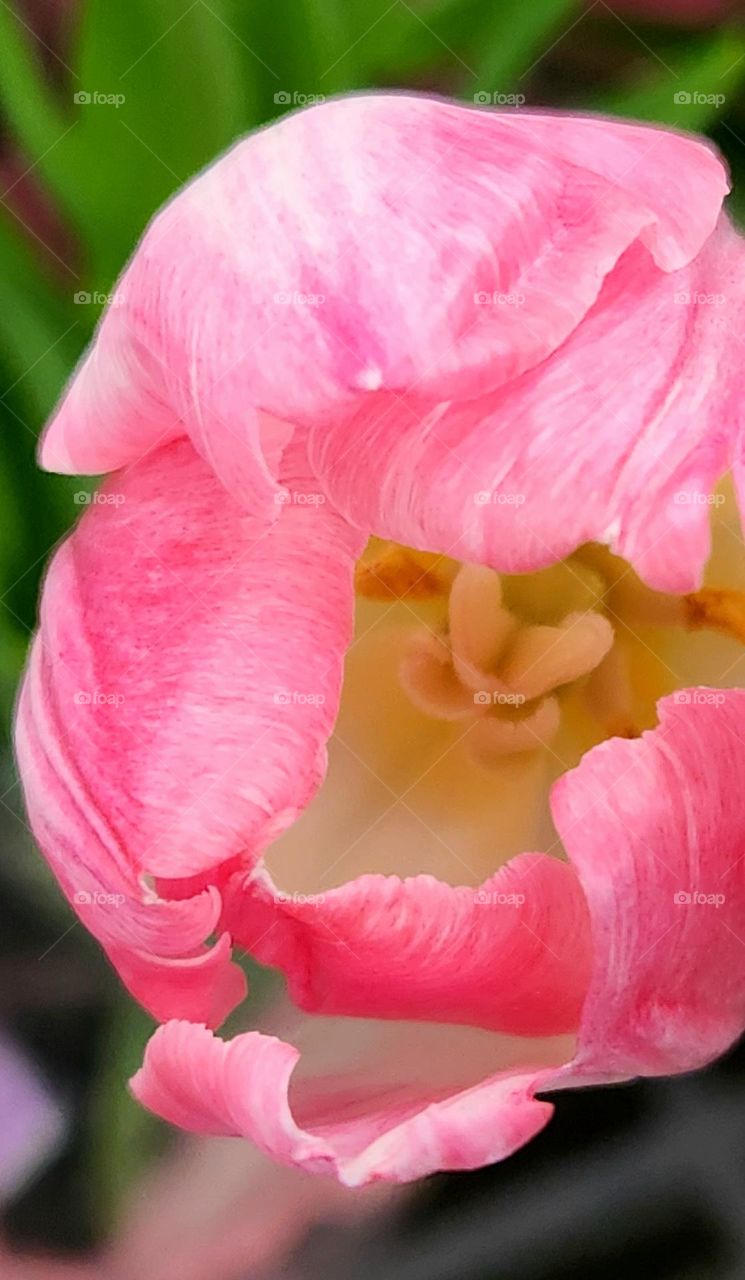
615,438
155,946
267,293
177,705
512,956
649,824
207,1085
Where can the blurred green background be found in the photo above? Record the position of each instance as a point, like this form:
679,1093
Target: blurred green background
107,107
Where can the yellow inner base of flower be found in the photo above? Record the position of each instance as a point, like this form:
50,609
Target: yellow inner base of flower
467,693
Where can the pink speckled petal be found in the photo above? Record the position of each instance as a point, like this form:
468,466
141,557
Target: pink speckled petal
176,708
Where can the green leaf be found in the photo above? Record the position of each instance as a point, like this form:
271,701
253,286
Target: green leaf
487,47
297,50
693,91
516,37
124,1137
162,94
44,130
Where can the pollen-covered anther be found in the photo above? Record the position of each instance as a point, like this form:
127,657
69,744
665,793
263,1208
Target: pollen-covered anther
498,672
399,573
716,609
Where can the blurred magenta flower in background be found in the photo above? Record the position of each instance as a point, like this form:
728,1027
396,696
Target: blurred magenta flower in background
32,1121
501,340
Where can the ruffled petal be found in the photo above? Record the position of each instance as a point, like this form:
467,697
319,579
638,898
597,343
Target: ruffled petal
266,292
616,438
176,709
656,830
241,1087
512,956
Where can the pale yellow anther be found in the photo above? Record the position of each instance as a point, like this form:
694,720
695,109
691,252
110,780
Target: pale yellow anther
541,659
494,737
479,626
428,678
491,667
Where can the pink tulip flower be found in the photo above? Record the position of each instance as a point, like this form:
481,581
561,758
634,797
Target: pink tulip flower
502,343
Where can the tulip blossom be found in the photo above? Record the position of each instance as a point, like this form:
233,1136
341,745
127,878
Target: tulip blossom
481,372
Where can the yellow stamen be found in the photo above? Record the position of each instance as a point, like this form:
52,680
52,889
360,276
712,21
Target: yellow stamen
398,573
717,609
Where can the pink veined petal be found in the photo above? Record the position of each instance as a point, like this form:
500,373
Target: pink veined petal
629,155
156,946
240,1087
619,437
202,988
176,708
656,831
267,292
512,956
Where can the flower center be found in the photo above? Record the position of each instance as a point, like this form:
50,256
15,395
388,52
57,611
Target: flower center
515,653
468,692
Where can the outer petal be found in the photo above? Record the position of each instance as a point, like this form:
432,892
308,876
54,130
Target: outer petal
617,437
656,831
268,286
176,708
241,1087
512,956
